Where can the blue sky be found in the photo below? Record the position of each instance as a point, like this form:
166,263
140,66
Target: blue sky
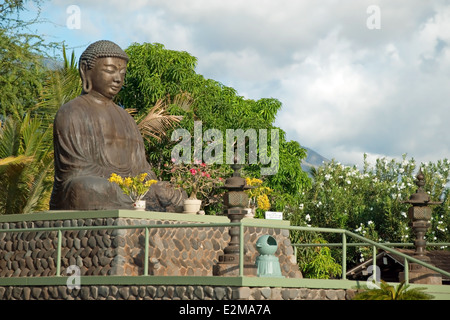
346,88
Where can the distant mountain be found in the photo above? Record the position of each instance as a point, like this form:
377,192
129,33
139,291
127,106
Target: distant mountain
313,159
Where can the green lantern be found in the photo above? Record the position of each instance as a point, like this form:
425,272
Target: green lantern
266,263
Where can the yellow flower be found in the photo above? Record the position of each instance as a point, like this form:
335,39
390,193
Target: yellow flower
128,181
263,202
115,178
134,187
253,181
149,183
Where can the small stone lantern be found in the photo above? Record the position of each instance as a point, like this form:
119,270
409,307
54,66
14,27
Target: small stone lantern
235,201
420,215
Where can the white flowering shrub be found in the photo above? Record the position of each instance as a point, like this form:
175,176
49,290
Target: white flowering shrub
368,201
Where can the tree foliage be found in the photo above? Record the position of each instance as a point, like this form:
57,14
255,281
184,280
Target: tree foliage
26,165
21,73
60,85
369,202
155,72
23,58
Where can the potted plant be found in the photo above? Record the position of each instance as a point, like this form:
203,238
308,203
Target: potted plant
134,187
258,196
198,180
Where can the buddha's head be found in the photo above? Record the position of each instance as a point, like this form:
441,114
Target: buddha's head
102,68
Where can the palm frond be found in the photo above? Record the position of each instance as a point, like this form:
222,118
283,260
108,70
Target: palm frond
157,121
183,100
389,292
60,87
39,188
12,185
9,138
36,137
24,171
12,161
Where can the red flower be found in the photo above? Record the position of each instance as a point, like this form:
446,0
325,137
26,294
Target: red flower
196,179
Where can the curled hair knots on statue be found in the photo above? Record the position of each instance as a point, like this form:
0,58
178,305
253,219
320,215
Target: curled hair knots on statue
101,49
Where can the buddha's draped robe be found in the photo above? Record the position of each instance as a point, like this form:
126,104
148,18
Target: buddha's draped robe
91,141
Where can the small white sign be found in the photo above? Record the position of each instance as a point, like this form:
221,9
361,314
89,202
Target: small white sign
274,215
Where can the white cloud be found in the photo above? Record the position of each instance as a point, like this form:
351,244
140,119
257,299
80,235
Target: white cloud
345,89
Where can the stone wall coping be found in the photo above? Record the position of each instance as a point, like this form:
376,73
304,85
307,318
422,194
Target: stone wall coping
133,214
439,291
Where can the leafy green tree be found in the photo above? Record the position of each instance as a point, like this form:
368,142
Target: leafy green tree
370,202
154,72
21,74
23,58
9,14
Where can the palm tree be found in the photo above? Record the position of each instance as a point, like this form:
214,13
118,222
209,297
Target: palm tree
389,292
26,165
61,86
26,144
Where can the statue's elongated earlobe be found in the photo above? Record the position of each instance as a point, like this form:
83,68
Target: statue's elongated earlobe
85,79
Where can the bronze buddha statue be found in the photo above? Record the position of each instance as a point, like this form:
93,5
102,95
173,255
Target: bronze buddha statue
94,137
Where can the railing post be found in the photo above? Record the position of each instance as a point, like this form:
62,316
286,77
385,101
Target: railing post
406,271
295,253
374,262
146,253
58,256
344,256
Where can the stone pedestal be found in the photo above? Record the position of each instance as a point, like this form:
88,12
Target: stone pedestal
232,269
421,275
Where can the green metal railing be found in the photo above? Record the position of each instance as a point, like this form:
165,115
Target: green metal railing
241,225
146,228
365,244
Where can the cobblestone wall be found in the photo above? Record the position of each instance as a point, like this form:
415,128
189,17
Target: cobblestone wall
171,293
172,252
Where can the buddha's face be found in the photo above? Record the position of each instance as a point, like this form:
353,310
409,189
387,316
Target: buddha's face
107,76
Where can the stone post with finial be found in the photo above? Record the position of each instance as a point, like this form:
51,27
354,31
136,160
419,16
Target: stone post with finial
235,200
420,215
